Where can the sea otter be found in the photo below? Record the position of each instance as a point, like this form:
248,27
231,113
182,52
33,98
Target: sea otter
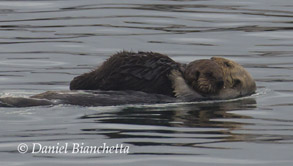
148,77
150,72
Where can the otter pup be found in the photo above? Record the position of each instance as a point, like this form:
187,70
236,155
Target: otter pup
152,72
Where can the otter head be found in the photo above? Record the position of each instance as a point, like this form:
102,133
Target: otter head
237,81
204,76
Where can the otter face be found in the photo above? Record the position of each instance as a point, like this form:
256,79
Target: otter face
237,81
204,76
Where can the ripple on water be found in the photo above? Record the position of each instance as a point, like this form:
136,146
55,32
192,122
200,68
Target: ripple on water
28,4
31,63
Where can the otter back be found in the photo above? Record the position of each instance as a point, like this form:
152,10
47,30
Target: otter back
142,71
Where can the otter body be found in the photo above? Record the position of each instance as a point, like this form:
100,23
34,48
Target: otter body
148,77
153,73
142,71
215,78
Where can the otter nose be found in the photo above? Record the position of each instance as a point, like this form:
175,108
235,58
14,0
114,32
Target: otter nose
220,84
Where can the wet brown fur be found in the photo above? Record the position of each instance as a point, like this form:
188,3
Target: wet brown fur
237,81
142,71
215,78
204,76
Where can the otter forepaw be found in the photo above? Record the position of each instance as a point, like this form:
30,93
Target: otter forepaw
180,87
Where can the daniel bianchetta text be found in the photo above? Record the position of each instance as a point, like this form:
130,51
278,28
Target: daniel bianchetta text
72,148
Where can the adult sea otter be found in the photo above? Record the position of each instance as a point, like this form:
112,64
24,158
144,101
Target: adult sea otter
148,77
215,78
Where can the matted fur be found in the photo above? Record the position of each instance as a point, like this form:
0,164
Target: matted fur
142,71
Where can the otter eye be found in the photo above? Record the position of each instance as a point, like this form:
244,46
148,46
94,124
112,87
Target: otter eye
237,83
220,84
227,64
197,74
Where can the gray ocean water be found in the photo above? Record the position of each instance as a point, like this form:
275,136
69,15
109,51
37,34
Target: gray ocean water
44,44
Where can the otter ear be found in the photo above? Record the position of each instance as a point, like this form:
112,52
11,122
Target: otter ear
227,64
214,58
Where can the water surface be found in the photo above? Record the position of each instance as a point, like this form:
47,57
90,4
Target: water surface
44,44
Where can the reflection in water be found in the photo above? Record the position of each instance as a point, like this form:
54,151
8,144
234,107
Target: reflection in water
207,116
